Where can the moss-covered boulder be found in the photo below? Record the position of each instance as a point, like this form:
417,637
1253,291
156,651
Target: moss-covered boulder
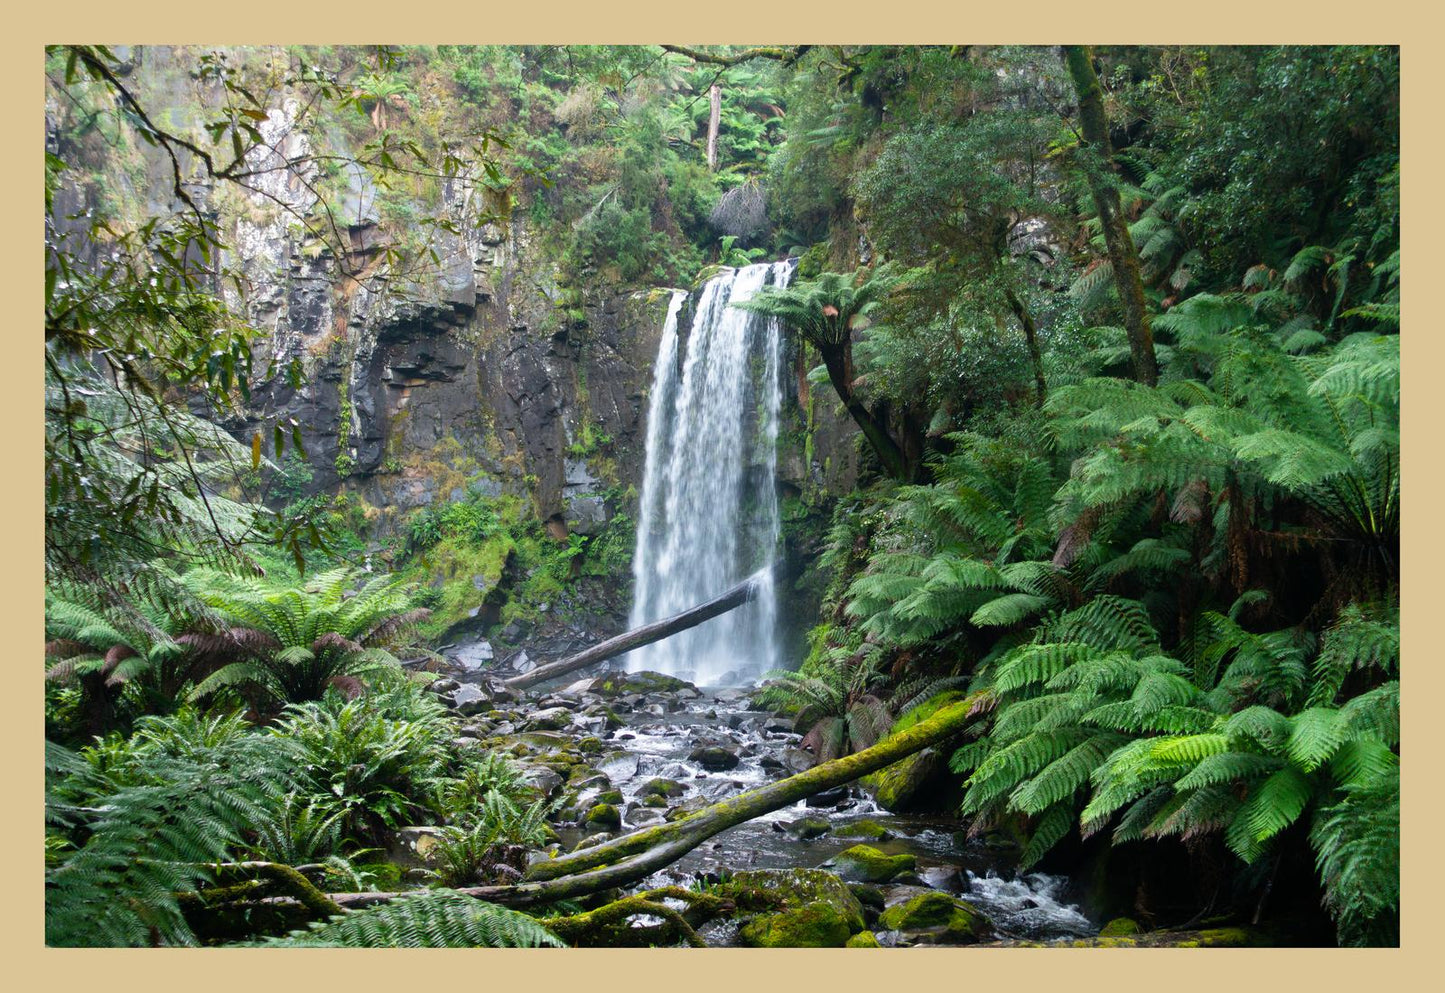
807,828
662,787
653,800
863,939
937,918
603,817
610,796
865,828
864,863
1118,927
802,908
623,683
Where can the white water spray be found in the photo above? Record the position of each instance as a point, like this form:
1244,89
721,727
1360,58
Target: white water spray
709,510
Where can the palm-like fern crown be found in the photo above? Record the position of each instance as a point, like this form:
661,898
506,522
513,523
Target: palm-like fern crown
824,310
307,635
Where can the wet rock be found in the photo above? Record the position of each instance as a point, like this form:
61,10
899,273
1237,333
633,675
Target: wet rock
475,656
653,800
863,939
663,787
796,760
864,863
619,767
802,908
807,828
714,757
546,780
938,919
603,817
613,797
730,695
468,699
866,828
443,686
550,719
828,798
644,815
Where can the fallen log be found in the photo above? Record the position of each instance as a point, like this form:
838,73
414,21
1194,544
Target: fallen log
645,635
636,856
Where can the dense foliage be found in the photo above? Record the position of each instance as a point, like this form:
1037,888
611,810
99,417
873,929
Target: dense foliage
1170,587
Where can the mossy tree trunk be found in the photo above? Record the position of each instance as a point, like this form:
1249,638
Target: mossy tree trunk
1123,255
1031,338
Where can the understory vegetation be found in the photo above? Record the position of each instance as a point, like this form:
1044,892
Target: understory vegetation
1118,330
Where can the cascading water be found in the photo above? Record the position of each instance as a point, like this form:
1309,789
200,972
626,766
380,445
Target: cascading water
709,511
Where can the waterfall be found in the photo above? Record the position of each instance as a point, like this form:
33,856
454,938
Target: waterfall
709,511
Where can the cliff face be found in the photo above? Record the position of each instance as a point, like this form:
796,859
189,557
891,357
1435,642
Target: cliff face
472,370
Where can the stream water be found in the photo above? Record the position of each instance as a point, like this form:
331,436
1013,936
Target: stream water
660,745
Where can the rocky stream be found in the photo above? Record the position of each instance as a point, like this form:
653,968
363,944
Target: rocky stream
621,751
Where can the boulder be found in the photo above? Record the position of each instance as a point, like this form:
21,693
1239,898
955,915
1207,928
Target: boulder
801,908
807,828
551,719
867,864
603,817
863,939
663,787
866,828
937,919
714,757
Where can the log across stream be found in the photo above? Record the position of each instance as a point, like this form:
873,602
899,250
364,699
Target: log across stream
755,815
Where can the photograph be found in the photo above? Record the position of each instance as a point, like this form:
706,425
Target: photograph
721,496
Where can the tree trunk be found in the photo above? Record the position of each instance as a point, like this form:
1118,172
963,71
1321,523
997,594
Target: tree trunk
714,117
645,635
635,856
1122,253
839,361
1031,336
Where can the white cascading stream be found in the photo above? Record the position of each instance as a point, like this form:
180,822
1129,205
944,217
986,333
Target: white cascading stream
709,510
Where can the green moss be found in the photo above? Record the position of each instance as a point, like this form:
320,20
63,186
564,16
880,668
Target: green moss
869,865
818,926
947,919
809,908
604,816
663,787
863,939
611,796
1119,926
867,828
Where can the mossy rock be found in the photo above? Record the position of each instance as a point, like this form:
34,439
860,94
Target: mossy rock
618,684
1119,926
869,829
604,817
611,796
864,863
653,800
807,828
863,939
589,745
807,908
868,895
1223,937
937,918
663,787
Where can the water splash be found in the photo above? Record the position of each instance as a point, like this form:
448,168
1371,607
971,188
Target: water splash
709,510
1028,906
